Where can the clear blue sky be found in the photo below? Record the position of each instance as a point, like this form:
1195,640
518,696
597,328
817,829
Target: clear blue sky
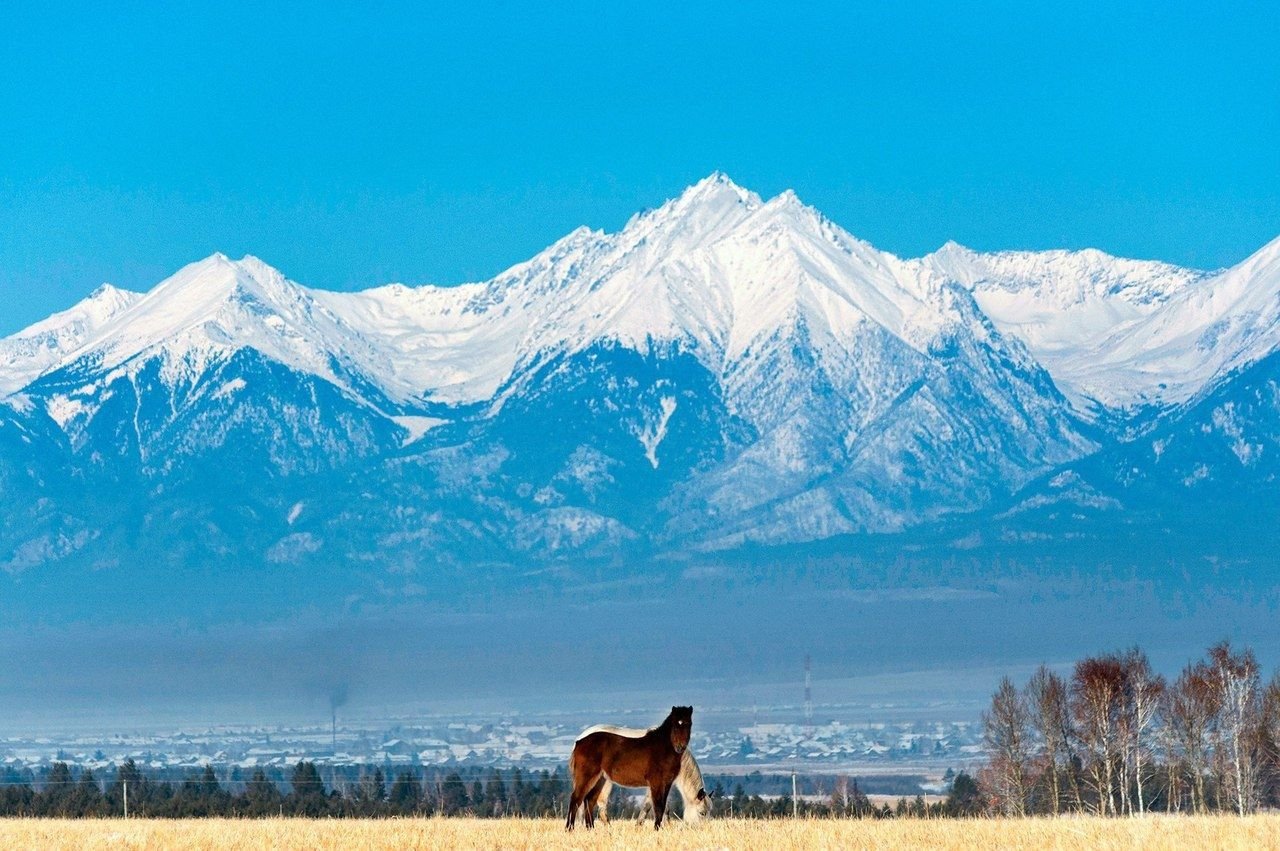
351,148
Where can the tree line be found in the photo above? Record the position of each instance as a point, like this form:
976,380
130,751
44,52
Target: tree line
1116,738
64,791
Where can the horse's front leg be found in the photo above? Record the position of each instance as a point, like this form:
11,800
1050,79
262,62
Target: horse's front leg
646,809
659,793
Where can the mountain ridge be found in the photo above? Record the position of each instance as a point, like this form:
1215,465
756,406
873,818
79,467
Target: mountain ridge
723,371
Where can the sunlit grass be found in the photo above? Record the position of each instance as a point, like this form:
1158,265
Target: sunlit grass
1170,832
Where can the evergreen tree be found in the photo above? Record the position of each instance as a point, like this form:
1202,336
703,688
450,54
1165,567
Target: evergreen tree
495,795
518,793
371,792
406,794
17,798
262,798
209,787
87,800
128,775
308,797
965,798
738,804
453,795
55,798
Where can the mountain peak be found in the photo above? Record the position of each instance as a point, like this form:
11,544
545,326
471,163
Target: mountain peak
216,277
714,189
702,213
213,275
106,291
951,247
38,347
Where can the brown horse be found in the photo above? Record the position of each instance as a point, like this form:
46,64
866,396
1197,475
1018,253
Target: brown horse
651,760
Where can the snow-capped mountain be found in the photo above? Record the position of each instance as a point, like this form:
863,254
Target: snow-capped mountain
1225,323
1066,306
44,345
723,370
1126,334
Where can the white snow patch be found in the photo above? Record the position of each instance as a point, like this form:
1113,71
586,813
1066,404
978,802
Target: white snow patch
416,427
1226,421
654,432
63,409
294,513
1065,478
1200,472
589,468
230,387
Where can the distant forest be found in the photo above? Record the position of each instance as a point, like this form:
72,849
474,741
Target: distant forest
1116,738
67,792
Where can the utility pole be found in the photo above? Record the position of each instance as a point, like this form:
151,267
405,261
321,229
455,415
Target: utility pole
125,783
795,800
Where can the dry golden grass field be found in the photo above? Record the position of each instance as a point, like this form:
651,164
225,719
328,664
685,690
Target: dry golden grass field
1171,832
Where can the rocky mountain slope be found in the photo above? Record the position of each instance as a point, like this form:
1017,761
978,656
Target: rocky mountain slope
724,371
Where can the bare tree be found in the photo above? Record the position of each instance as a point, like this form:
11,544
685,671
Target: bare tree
1235,678
1192,708
1097,697
1051,719
1142,691
1008,739
1269,741
1172,752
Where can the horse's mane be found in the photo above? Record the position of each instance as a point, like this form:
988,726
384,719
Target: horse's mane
690,777
625,732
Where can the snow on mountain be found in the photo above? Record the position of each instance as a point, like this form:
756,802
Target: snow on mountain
211,309
1218,326
39,347
723,369
715,271
1065,306
173,373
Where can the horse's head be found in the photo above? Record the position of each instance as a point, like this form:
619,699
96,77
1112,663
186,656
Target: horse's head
681,721
700,806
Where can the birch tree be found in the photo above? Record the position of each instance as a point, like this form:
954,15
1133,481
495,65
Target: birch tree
1143,690
1235,678
1097,690
1192,709
1007,736
1051,719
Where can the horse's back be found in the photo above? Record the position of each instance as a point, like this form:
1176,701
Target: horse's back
597,748
624,732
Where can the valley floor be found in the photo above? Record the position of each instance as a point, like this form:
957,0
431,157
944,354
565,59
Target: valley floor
1156,832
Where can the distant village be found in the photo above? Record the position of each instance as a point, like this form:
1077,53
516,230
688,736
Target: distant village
927,747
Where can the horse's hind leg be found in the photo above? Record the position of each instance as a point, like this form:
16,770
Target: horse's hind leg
593,800
582,785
